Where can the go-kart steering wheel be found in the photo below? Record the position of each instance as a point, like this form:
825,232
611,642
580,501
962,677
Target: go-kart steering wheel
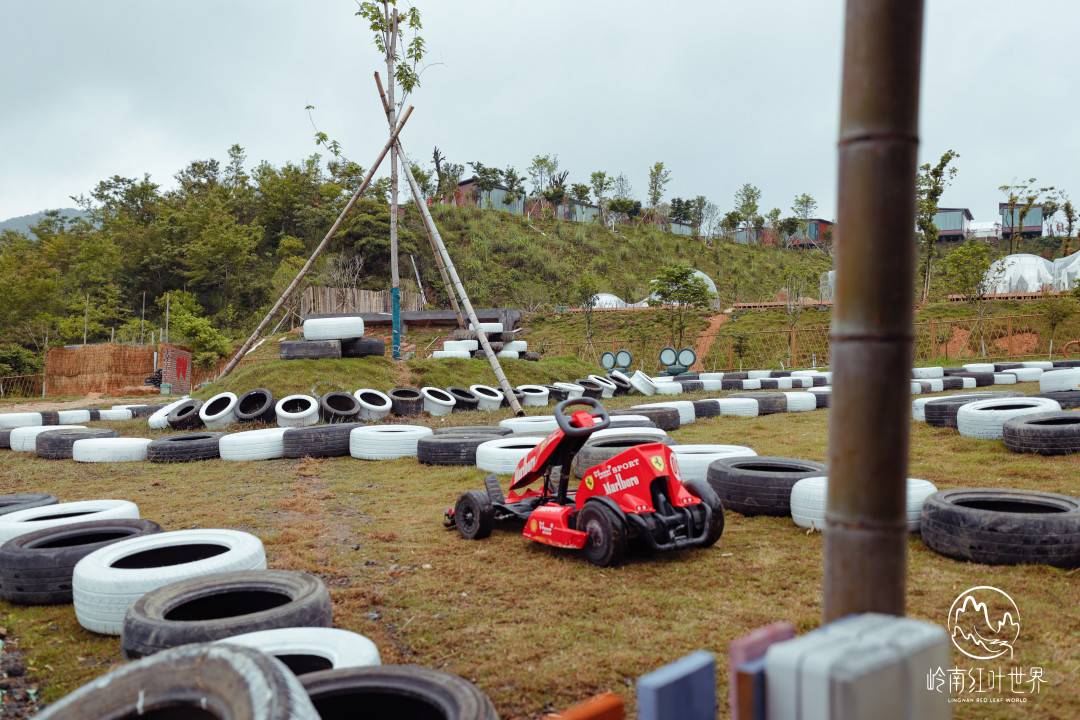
563,421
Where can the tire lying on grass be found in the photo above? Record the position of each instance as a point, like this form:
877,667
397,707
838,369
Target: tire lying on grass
455,449
374,405
297,411
759,485
489,398
57,444
310,349
984,419
941,412
110,450
1051,433
306,650
196,681
363,347
10,421
267,444
204,609
1067,399
1058,380
319,441
159,420
24,439
534,395
502,455
108,581
396,691
1003,527
36,568
768,402
184,448
464,399
32,519
530,424
185,416
386,442
685,408
808,502
493,431
694,460
437,402
665,418
338,407
24,501
599,450
219,411
407,401
256,406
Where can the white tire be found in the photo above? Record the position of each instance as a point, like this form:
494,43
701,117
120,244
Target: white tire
621,421
534,395
451,355
918,408
928,373
110,450
751,384
268,444
936,384
758,374
466,345
917,492
21,522
685,408
983,419
669,388
374,405
711,376
786,383
607,388
802,381
386,442
624,431
739,407
979,367
508,354
488,398
969,383
125,407
337,328
108,581
1024,374
694,460
437,402
573,390
1004,378
808,502
16,420
663,379
297,411
642,383
502,455
711,384
800,401
339,648
159,419
516,346
1058,380
916,387
826,389
530,424
1043,365
24,438
488,328
219,411
115,414
73,417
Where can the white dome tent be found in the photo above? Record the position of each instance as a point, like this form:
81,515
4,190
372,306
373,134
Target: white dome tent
827,286
1067,270
715,300
1020,273
607,301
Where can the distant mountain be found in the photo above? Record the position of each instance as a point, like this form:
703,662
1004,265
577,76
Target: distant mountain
25,222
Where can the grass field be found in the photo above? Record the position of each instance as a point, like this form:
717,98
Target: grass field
535,628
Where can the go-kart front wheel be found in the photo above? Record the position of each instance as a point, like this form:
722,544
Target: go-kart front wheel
605,542
474,515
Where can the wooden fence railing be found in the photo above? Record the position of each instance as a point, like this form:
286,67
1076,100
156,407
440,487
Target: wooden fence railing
318,300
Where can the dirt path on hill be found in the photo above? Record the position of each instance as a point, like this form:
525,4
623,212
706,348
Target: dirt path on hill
706,338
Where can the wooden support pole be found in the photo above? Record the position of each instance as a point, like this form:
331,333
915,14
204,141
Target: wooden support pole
320,248
395,272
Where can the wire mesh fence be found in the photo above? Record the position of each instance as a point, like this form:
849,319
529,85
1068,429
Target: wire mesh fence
21,386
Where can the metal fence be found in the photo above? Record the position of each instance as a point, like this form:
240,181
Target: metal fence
21,386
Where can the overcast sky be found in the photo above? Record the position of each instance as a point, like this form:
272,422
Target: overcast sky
723,92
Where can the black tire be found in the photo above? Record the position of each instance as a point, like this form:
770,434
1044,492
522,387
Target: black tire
594,452
1003,527
703,492
822,381
363,347
557,395
95,414
213,607
666,419
406,402
1066,364
706,408
256,406
183,682
5,439
396,691
622,387
952,382
465,399
769,383
50,417
56,444
36,568
456,449
606,536
25,501
982,379
822,400
736,376
759,485
531,356
1067,399
726,384
592,388
941,412
1002,367
310,349
691,386
779,373
192,447
517,394
687,376
1051,433
474,516
144,411
768,402
338,407
492,431
954,371
318,441
185,416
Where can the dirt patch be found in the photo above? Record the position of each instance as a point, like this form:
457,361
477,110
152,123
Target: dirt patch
18,691
91,400
958,343
706,339
1018,344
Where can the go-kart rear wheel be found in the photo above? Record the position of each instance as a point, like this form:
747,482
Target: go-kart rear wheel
704,492
474,515
605,543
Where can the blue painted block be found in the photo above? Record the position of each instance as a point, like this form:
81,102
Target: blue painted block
683,690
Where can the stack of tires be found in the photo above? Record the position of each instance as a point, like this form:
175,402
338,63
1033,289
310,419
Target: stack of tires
466,344
332,336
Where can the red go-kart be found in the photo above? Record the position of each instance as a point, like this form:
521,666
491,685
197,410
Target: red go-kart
637,494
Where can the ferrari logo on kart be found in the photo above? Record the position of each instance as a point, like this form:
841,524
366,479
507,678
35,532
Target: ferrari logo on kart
532,525
589,482
657,462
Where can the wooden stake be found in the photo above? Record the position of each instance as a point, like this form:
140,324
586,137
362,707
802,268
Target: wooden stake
419,284
85,318
320,248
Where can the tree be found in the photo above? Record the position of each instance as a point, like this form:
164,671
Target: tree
580,193
746,205
804,207
514,184
625,207
1056,311
448,175
1069,212
696,209
680,289
556,190
601,182
730,223
1020,198
772,221
487,179
969,270
930,183
680,211
424,179
583,295
1050,207
621,187
541,171
659,177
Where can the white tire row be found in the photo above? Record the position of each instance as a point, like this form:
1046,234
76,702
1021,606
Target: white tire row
808,502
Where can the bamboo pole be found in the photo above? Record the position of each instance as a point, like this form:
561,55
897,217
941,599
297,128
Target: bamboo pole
428,223
321,246
872,325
